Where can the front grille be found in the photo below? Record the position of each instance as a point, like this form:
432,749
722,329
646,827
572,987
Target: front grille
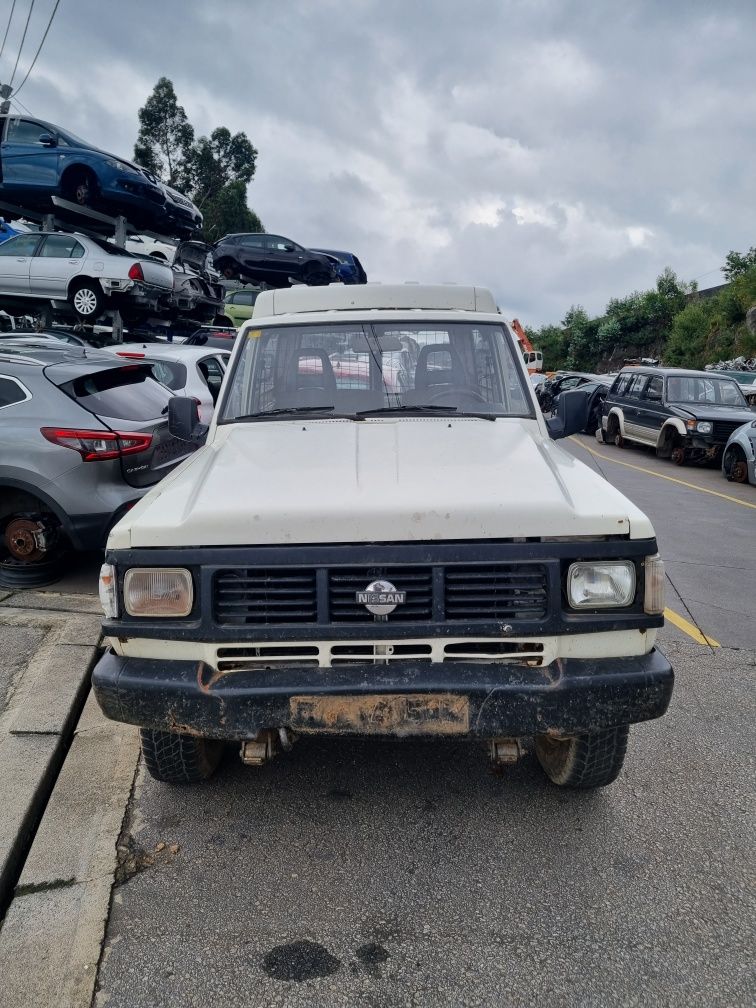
344,583
259,595
496,592
723,428
501,592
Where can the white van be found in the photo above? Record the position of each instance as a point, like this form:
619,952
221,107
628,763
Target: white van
380,536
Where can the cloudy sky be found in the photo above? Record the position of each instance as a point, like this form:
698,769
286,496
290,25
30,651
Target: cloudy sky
557,152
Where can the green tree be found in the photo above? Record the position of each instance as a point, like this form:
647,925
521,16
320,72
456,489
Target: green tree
550,340
165,134
214,171
227,213
736,264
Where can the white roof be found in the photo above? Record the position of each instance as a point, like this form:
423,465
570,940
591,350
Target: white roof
373,297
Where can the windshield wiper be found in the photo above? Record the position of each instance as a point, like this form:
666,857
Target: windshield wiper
420,408
286,410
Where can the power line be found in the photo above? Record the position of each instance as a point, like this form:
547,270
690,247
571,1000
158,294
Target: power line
7,29
21,106
23,39
39,48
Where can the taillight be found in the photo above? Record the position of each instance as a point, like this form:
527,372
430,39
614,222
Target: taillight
135,272
97,446
125,353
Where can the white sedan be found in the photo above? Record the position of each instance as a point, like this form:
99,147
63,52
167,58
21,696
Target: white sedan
188,371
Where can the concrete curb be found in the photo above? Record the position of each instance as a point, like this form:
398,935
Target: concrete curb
52,936
42,706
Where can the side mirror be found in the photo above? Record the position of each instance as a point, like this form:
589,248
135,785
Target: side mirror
289,247
184,422
572,413
48,140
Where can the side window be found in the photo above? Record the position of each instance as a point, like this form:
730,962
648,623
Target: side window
61,247
24,131
278,244
252,241
21,245
636,385
212,375
244,298
11,392
654,389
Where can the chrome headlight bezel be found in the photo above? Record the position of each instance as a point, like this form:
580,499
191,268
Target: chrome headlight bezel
167,594
583,569
704,426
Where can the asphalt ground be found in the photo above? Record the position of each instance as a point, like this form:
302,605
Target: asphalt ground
387,873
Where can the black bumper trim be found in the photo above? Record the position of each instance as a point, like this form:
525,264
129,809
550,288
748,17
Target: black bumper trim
568,696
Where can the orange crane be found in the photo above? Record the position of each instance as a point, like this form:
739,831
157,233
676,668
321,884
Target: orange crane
533,358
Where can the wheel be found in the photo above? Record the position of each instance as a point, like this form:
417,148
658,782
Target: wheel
224,320
32,553
678,454
736,466
80,187
86,299
315,276
583,761
619,441
179,759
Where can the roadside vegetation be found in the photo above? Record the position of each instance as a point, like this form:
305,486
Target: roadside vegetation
673,322
213,171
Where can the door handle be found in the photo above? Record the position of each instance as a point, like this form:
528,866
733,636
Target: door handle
21,259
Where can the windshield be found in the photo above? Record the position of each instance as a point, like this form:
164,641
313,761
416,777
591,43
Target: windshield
711,391
352,369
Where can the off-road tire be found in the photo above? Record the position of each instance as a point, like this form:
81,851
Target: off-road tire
679,455
179,759
583,761
86,299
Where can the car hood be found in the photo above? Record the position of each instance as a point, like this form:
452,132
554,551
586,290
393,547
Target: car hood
339,481
701,411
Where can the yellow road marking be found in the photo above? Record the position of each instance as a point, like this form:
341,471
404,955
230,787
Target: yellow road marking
672,479
692,631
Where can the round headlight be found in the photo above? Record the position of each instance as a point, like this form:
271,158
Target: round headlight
704,427
601,585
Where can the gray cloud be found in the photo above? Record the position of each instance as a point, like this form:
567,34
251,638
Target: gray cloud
557,152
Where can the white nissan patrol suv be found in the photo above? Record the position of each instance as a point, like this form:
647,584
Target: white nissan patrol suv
379,536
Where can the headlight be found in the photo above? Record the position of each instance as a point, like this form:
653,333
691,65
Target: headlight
653,595
108,593
601,585
121,166
704,427
158,591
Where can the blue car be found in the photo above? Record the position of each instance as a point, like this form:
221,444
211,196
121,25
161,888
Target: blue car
39,160
349,267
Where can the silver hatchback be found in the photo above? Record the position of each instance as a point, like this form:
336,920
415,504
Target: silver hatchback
739,456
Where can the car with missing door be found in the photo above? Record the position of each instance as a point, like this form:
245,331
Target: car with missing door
686,416
347,554
84,436
81,274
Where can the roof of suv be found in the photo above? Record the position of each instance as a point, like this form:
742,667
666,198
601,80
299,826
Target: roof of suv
664,372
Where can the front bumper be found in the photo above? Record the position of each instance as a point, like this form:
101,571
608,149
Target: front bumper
565,697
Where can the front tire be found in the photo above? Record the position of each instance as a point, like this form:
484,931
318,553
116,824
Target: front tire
583,761
80,187
736,466
87,300
179,759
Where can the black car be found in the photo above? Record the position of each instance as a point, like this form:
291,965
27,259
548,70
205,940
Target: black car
272,259
549,391
685,415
